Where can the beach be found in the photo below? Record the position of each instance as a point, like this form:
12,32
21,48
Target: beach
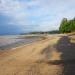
53,55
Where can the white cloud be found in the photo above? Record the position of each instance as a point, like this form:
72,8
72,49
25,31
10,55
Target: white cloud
37,14
13,9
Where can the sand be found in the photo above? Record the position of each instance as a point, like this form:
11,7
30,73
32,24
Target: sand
38,58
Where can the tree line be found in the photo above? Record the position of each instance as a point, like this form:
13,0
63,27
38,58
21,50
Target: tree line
67,26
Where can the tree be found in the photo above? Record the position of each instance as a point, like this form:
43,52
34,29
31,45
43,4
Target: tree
67,26
63,25
73,24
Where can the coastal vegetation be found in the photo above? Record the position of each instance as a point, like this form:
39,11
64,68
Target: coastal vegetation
46,32
67,26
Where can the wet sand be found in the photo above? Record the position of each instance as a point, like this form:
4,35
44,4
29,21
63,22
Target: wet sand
8,42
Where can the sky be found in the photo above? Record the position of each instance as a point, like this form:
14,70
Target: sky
18,16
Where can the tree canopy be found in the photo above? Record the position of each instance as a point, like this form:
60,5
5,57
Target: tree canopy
67,26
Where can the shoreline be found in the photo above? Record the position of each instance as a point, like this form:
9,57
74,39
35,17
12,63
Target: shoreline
30,39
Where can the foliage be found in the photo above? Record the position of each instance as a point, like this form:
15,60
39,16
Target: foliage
67,26
46,32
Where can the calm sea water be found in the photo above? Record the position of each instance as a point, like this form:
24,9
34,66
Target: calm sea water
13,41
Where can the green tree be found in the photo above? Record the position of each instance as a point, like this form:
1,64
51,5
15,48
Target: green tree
63,24
67,26
73,25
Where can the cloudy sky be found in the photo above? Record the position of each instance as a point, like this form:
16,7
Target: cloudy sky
18,16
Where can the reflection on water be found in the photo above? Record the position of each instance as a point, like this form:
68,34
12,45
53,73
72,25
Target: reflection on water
8,42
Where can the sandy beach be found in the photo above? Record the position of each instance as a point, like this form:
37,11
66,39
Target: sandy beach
53,55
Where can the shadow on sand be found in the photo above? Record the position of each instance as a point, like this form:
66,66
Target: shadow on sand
67,61
68,55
